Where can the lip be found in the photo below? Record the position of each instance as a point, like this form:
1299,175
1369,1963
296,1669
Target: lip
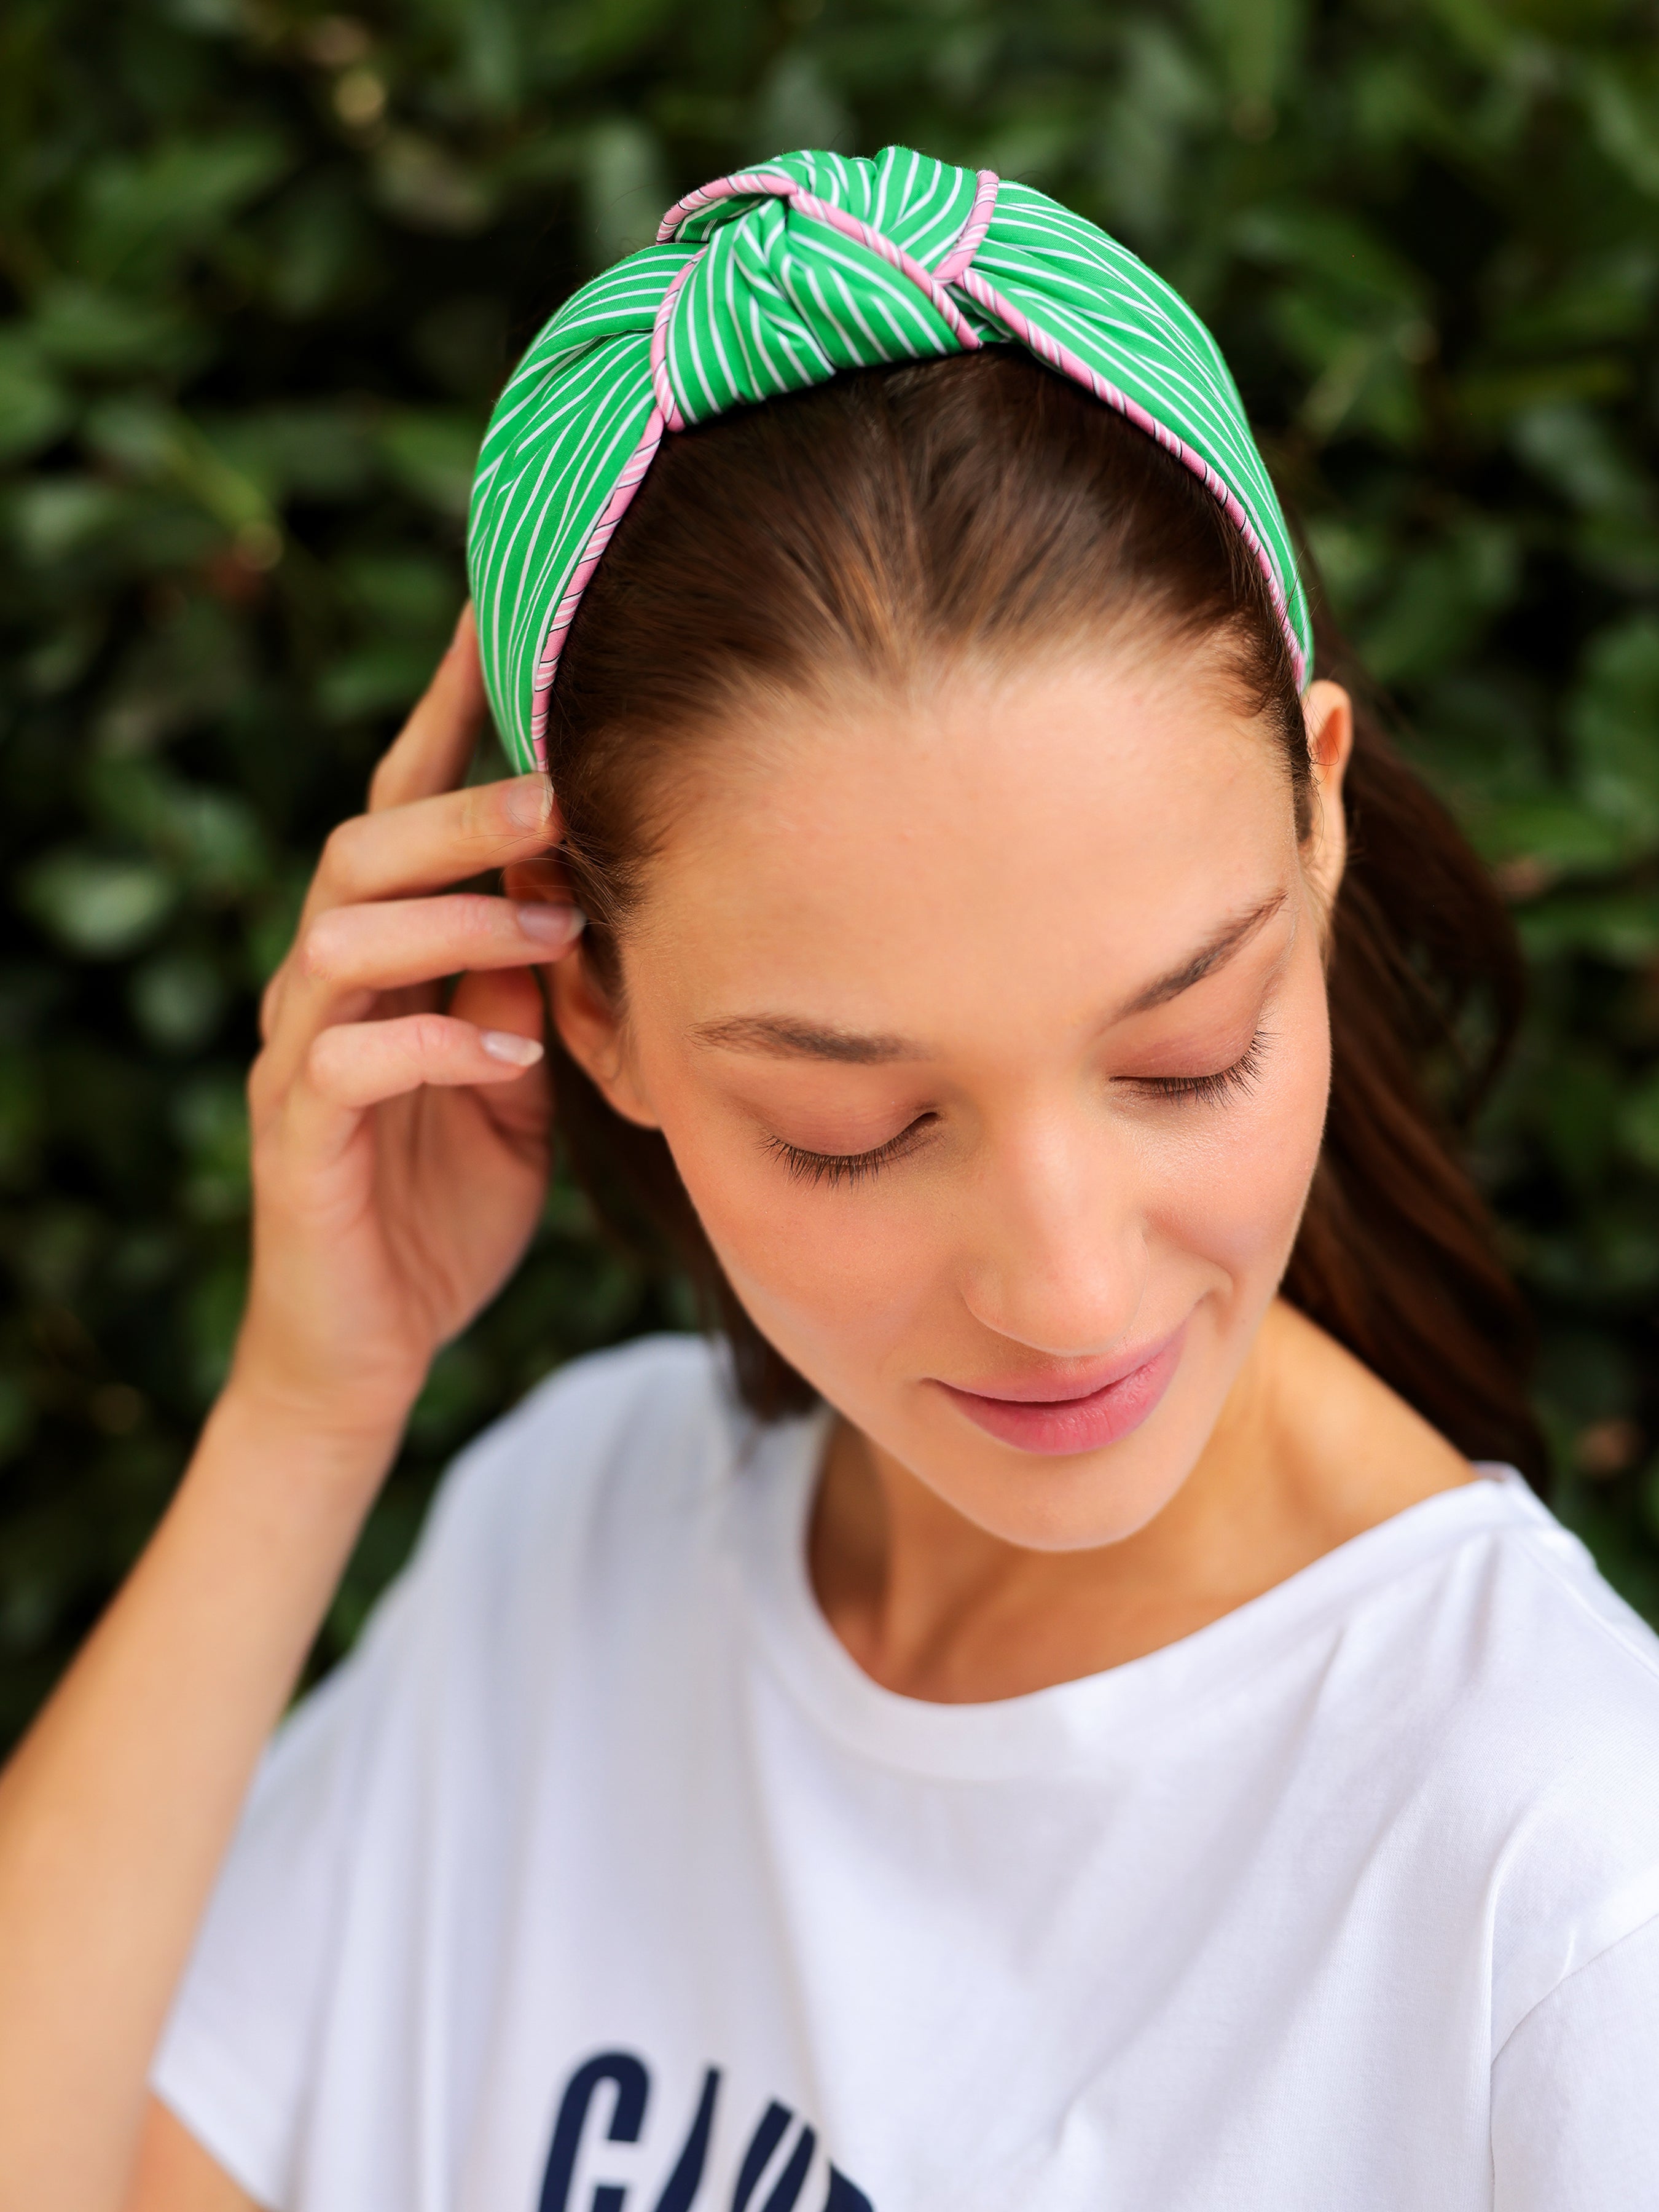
1113,1403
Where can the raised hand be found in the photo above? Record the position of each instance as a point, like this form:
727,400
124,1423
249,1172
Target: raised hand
400,1138
400,1151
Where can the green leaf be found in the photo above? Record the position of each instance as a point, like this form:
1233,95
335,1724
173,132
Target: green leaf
1575,451
1259,42
796,105
99,332
56,517
1602,297
1558,834
209,1119
1614,723
1579,1113
35,409
378,679
178,1000
315,452
140,214
412,593
1341,251
1639,1123
430,453
1490,398
419,182
157,444
208,841
1441,600
1619,927
1623,101
22,1116
99,906
317,249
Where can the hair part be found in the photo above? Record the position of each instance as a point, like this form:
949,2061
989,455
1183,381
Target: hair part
899,521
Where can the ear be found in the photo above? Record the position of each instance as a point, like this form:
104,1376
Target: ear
594,1033
1327,711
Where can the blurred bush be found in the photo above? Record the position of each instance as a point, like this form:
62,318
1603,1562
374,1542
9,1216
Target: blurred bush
265,268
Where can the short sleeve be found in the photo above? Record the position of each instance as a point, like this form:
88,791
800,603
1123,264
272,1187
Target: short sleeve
234,2062
1576,2090
363,1894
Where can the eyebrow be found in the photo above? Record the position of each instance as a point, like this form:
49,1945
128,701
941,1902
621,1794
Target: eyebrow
782,1036
1220,949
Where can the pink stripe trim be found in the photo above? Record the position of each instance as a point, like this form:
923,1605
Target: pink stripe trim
850,225
745,184
547,664
667,403
957,269
665,415
1049,348
973,231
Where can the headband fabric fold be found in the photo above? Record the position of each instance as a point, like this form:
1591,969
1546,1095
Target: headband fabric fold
778,278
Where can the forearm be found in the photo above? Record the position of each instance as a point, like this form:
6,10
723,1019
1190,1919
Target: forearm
118,1807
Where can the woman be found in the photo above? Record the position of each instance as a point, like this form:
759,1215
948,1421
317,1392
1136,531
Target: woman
1049,1715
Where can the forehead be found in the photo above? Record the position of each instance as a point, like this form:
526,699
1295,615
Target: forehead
1058,835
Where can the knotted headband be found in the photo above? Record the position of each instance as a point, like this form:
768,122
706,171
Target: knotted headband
782,276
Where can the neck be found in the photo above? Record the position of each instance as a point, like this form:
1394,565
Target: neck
1309,1450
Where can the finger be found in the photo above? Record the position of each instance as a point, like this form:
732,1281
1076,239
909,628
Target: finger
500,999
349,954
509,998
431,752
360,1064
434,842
388,946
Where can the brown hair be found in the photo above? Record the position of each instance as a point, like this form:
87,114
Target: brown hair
897,517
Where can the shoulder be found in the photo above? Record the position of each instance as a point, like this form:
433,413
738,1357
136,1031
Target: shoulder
1545,1681
657,1416
569,1517
591,1515
1548,1760
1542,1610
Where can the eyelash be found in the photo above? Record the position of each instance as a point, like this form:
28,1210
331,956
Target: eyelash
836,1169
1236,1082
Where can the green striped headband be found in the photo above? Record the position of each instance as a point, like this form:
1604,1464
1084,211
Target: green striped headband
780,277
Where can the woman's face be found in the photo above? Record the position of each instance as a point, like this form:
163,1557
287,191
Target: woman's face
989,1033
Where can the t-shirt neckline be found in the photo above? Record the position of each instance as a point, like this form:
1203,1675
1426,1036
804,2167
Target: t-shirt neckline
1070,1726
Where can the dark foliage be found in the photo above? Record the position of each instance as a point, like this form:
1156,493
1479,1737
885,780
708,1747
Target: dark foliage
263,268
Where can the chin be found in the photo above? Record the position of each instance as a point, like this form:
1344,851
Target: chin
1076,1503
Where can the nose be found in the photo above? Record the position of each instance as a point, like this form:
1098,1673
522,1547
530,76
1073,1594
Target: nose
1055,1255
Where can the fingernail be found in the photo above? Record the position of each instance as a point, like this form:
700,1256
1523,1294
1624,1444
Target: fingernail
506,1044
547,924
529,802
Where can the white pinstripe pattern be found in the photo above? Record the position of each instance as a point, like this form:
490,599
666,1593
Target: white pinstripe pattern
778,278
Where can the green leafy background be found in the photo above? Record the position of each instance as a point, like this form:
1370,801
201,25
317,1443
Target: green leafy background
265,268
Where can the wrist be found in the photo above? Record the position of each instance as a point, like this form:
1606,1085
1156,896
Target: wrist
349,1398
342,1443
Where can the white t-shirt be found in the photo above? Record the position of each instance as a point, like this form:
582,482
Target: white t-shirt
601,1880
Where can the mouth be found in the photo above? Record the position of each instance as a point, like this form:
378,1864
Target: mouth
1103,1412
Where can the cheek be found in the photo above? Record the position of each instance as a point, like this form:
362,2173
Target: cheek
817,1268
841,1279
1233,1191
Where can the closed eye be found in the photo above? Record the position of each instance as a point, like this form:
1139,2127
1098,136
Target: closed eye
839,1167
846,1167
1209,1090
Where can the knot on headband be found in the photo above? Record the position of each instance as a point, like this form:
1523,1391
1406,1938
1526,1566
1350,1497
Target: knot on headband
782,276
